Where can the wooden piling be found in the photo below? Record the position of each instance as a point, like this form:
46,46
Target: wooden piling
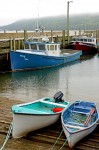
14,46
51,36
63,39
18,44
10,43
25,35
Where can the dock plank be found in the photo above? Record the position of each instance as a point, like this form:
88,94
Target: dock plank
43,139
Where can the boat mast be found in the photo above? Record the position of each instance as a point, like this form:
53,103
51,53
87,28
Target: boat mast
68,2
37,22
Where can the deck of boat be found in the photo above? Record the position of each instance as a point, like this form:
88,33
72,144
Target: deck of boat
69,51
43,139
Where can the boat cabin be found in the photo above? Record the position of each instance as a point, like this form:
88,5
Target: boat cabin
49,48
84,39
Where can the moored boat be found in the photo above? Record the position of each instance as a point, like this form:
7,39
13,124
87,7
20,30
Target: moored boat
86,44
40,54
79,120
38,114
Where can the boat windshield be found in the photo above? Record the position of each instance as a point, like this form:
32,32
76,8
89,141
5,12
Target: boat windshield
33,46
26,46
41,47
30,46
83,39
53,46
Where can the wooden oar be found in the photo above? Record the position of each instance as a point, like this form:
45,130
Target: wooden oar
89,116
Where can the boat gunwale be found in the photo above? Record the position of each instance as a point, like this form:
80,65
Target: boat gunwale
86,127
61,56
42,101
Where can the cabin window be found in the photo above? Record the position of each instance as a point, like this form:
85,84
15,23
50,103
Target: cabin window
33,46
74,39
51,47
26,46
48,47
55,47
85,40
42,47
81,40
59,47
89,40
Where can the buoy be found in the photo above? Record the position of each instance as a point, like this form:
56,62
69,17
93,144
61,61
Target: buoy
57,109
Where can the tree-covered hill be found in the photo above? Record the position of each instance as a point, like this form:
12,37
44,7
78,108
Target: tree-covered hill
77,22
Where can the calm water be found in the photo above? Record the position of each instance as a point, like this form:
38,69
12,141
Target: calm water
78,81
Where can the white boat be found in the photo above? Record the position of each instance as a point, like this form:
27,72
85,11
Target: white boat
35,115
78,121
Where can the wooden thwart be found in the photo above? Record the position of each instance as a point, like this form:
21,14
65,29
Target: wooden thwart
89,116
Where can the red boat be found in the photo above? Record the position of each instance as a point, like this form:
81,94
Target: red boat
86,44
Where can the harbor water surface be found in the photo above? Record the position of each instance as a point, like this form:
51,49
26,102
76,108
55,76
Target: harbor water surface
78,80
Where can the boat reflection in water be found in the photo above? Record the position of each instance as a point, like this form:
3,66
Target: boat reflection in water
78,80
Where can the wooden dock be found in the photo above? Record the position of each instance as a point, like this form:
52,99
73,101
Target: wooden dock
43,139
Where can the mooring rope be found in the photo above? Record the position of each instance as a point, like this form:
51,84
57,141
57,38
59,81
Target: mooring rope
7,136
57,139
63,144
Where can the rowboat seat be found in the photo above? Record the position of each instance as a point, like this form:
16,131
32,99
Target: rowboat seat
80,112
75,127
75,124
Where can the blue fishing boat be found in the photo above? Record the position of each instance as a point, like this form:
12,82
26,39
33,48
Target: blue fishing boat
40,54
38,114
79,120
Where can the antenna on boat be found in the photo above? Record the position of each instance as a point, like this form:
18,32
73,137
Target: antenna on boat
37,23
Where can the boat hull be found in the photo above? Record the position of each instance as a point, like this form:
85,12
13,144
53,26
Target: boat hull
25,61
23,124
35,115
78,121
77,136
86,48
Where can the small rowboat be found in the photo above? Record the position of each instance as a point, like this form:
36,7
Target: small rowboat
35,115
79,120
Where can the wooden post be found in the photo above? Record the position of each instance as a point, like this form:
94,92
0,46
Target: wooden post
10,43
14,44
51,36
25,35
79,32
75,33
56,38
22,44
18,44
63,39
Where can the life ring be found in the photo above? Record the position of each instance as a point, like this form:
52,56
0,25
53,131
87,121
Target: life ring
57,109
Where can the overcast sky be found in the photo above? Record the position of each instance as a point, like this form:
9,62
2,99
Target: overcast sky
13,10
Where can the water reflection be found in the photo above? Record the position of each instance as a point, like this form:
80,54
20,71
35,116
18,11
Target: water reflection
28,85
78,80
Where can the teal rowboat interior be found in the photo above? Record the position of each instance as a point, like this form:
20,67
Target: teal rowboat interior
40,107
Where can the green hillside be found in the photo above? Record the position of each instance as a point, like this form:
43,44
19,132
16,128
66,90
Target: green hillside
77,22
